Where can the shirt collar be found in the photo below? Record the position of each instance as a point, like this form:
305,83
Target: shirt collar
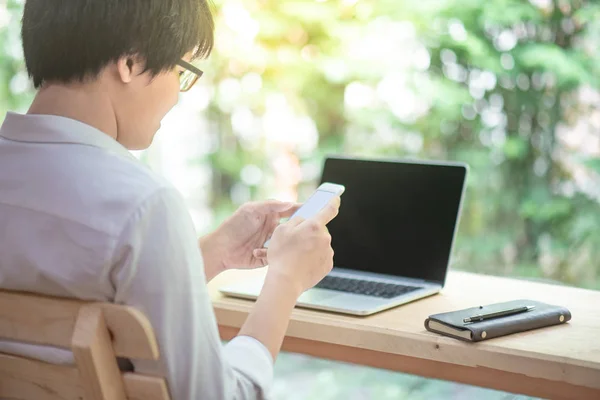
37,128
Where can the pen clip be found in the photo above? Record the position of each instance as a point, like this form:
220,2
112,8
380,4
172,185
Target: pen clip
497,314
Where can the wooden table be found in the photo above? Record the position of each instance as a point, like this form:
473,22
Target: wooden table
556,362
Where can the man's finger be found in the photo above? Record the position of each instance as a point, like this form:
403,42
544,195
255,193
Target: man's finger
290,211
295,221
260,253
273,206
329,212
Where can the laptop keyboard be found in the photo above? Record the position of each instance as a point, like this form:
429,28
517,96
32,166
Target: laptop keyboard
369,288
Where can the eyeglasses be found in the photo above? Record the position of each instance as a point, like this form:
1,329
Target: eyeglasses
189,77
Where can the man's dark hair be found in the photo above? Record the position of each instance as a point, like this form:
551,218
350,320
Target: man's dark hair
72,40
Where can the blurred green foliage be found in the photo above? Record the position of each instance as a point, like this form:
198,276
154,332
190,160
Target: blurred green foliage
14,91
508,86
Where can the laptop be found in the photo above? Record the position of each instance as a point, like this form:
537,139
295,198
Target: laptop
392,238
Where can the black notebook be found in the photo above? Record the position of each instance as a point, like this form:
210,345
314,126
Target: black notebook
452,323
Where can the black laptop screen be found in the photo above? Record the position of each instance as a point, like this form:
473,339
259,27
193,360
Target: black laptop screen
396,218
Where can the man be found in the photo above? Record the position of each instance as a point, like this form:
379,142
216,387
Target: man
81,217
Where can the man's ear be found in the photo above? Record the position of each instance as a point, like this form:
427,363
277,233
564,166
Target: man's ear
128,67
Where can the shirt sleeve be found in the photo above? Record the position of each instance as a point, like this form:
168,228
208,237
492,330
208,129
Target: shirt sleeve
158,269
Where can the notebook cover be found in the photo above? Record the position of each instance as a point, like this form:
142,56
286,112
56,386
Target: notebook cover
541,316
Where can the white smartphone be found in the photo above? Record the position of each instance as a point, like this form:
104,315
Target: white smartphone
315,203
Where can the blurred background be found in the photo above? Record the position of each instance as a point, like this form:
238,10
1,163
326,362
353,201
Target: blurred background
510,87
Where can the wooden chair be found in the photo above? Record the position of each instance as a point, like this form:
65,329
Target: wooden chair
96,333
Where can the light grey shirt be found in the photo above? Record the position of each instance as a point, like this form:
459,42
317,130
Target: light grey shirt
81,217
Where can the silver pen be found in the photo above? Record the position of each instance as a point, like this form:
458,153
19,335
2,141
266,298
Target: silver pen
497,314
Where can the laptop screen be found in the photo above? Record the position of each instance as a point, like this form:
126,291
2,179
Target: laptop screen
396,218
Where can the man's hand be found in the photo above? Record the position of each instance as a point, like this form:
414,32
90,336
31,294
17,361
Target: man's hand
238,242
300,255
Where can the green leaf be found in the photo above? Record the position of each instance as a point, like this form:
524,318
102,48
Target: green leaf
509,12
587,14
447,97
565,65
515,147
548,211
593,163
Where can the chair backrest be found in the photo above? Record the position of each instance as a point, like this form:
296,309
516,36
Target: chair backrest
96,333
